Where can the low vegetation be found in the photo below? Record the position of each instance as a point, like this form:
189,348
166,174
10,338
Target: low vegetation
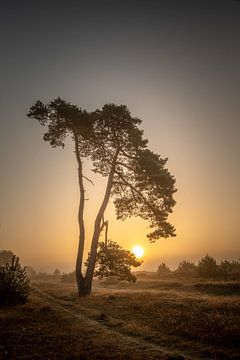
207,268
14,283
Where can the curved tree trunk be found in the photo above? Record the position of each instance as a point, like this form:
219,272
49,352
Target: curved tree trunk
84,284
79,277
98,228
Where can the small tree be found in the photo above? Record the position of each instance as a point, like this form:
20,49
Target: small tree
187,267
163,269
57,273
230,269
114,261
208,267
14,283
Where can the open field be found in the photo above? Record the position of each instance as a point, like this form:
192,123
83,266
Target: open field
151,319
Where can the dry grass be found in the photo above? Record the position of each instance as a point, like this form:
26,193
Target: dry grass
177,318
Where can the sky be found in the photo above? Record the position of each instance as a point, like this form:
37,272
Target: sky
175,64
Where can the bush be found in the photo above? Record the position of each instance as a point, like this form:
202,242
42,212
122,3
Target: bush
208,267
187,267
163,270
229,270
14,283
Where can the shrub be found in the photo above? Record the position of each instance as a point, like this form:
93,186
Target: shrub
187,267
57,273
163,270
229,270
14,283
208,267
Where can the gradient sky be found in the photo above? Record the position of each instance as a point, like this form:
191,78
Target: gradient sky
175,64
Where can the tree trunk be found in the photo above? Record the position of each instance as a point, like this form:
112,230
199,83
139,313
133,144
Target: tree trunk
79,277
97,227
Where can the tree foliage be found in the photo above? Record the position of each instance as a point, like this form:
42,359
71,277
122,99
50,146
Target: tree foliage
163,269
14,283
187,267
207,267
114,261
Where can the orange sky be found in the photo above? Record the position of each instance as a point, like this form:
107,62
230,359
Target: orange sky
175,67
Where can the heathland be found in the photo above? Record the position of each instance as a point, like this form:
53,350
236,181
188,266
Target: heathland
154,318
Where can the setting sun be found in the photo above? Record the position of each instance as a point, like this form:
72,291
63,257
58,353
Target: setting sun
138,251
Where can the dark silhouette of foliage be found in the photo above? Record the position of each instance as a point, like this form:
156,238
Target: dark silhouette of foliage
57,273
207,267
163,270
5,257
114,261
137,178
187,267
229,270
14,283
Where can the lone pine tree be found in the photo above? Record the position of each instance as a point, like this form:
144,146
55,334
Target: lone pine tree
137,178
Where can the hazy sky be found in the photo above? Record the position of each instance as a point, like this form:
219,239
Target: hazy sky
175,64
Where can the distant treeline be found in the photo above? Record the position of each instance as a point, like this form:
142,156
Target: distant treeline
207,267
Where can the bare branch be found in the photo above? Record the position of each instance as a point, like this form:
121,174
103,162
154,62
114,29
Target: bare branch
88,179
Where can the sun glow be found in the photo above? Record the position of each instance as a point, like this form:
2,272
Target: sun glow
138,251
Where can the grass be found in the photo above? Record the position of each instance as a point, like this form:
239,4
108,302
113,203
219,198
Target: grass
186,320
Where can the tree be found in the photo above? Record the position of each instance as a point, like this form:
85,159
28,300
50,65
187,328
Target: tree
187,267
14,283
229,269
5,257
57,273
208,267
163,269
137,178
113,260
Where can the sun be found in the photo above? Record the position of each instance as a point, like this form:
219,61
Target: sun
138,251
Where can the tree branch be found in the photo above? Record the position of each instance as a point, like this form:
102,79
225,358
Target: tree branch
87,179
137,191
127,155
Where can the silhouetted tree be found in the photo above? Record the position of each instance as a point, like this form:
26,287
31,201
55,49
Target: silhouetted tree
57,273
113,260
5,257
208,267
187,267
163,269
14,283
229,270
137,178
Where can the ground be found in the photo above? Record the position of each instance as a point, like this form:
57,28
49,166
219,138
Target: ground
152,319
